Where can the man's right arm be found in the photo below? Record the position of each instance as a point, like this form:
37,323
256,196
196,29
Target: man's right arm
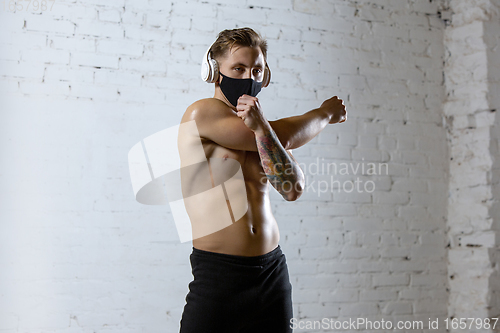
218,123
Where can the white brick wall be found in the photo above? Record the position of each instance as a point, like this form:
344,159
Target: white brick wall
83,83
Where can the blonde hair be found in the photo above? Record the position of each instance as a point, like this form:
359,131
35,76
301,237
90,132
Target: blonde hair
228,38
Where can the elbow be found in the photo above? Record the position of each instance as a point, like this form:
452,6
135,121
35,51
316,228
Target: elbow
295,192
292,196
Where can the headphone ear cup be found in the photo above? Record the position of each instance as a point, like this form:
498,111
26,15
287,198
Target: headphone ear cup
214,75
209,68
205,71
267,76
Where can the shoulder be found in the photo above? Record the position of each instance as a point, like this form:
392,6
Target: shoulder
208,103
206,108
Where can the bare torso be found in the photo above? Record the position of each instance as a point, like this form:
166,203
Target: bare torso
256,232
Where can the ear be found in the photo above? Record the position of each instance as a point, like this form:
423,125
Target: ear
267,76
218,79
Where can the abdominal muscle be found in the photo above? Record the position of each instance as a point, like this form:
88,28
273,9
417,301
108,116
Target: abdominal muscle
256,232
246,237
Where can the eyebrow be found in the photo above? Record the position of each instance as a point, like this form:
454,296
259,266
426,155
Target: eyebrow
244,65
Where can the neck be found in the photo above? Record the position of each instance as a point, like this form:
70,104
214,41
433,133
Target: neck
219,95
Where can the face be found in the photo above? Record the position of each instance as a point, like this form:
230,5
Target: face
243,62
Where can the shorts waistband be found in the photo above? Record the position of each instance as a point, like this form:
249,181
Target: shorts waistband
255,260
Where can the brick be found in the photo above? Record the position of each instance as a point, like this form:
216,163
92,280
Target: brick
47,56
378,295
53,88
309,253
104,77
93,92
10,53
85,27
9,87
372,266
343,295
359,310
21,70
336,210
94,60
395,252
321,310
84,44
143,66
25,40
41,23
351,252
302,296
120,47
378,211
390,197
130,17
110,15
397,308
411,265
333,266
349,195
382,280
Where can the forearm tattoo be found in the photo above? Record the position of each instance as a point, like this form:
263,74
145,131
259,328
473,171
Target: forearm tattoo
280,169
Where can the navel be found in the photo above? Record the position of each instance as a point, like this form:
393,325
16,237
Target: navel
225,157
254,230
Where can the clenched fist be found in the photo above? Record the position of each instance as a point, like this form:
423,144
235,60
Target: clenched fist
336,109
248,109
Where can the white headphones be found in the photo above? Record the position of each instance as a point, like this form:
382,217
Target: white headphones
210,70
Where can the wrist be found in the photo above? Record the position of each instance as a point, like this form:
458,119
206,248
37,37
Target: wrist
325,114
263,129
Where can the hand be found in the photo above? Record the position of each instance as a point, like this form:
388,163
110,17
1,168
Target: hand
336,109
248,109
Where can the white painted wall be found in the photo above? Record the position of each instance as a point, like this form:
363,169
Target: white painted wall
85,81
471,108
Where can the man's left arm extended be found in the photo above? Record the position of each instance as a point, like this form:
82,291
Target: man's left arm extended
294,132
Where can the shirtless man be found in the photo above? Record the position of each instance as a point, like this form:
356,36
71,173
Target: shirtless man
241,281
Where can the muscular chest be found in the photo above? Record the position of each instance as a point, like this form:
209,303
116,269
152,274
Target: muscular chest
248,160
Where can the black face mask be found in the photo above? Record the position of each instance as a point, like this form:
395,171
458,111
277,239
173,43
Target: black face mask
234,88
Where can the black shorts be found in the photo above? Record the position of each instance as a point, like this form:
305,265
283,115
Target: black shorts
236,294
